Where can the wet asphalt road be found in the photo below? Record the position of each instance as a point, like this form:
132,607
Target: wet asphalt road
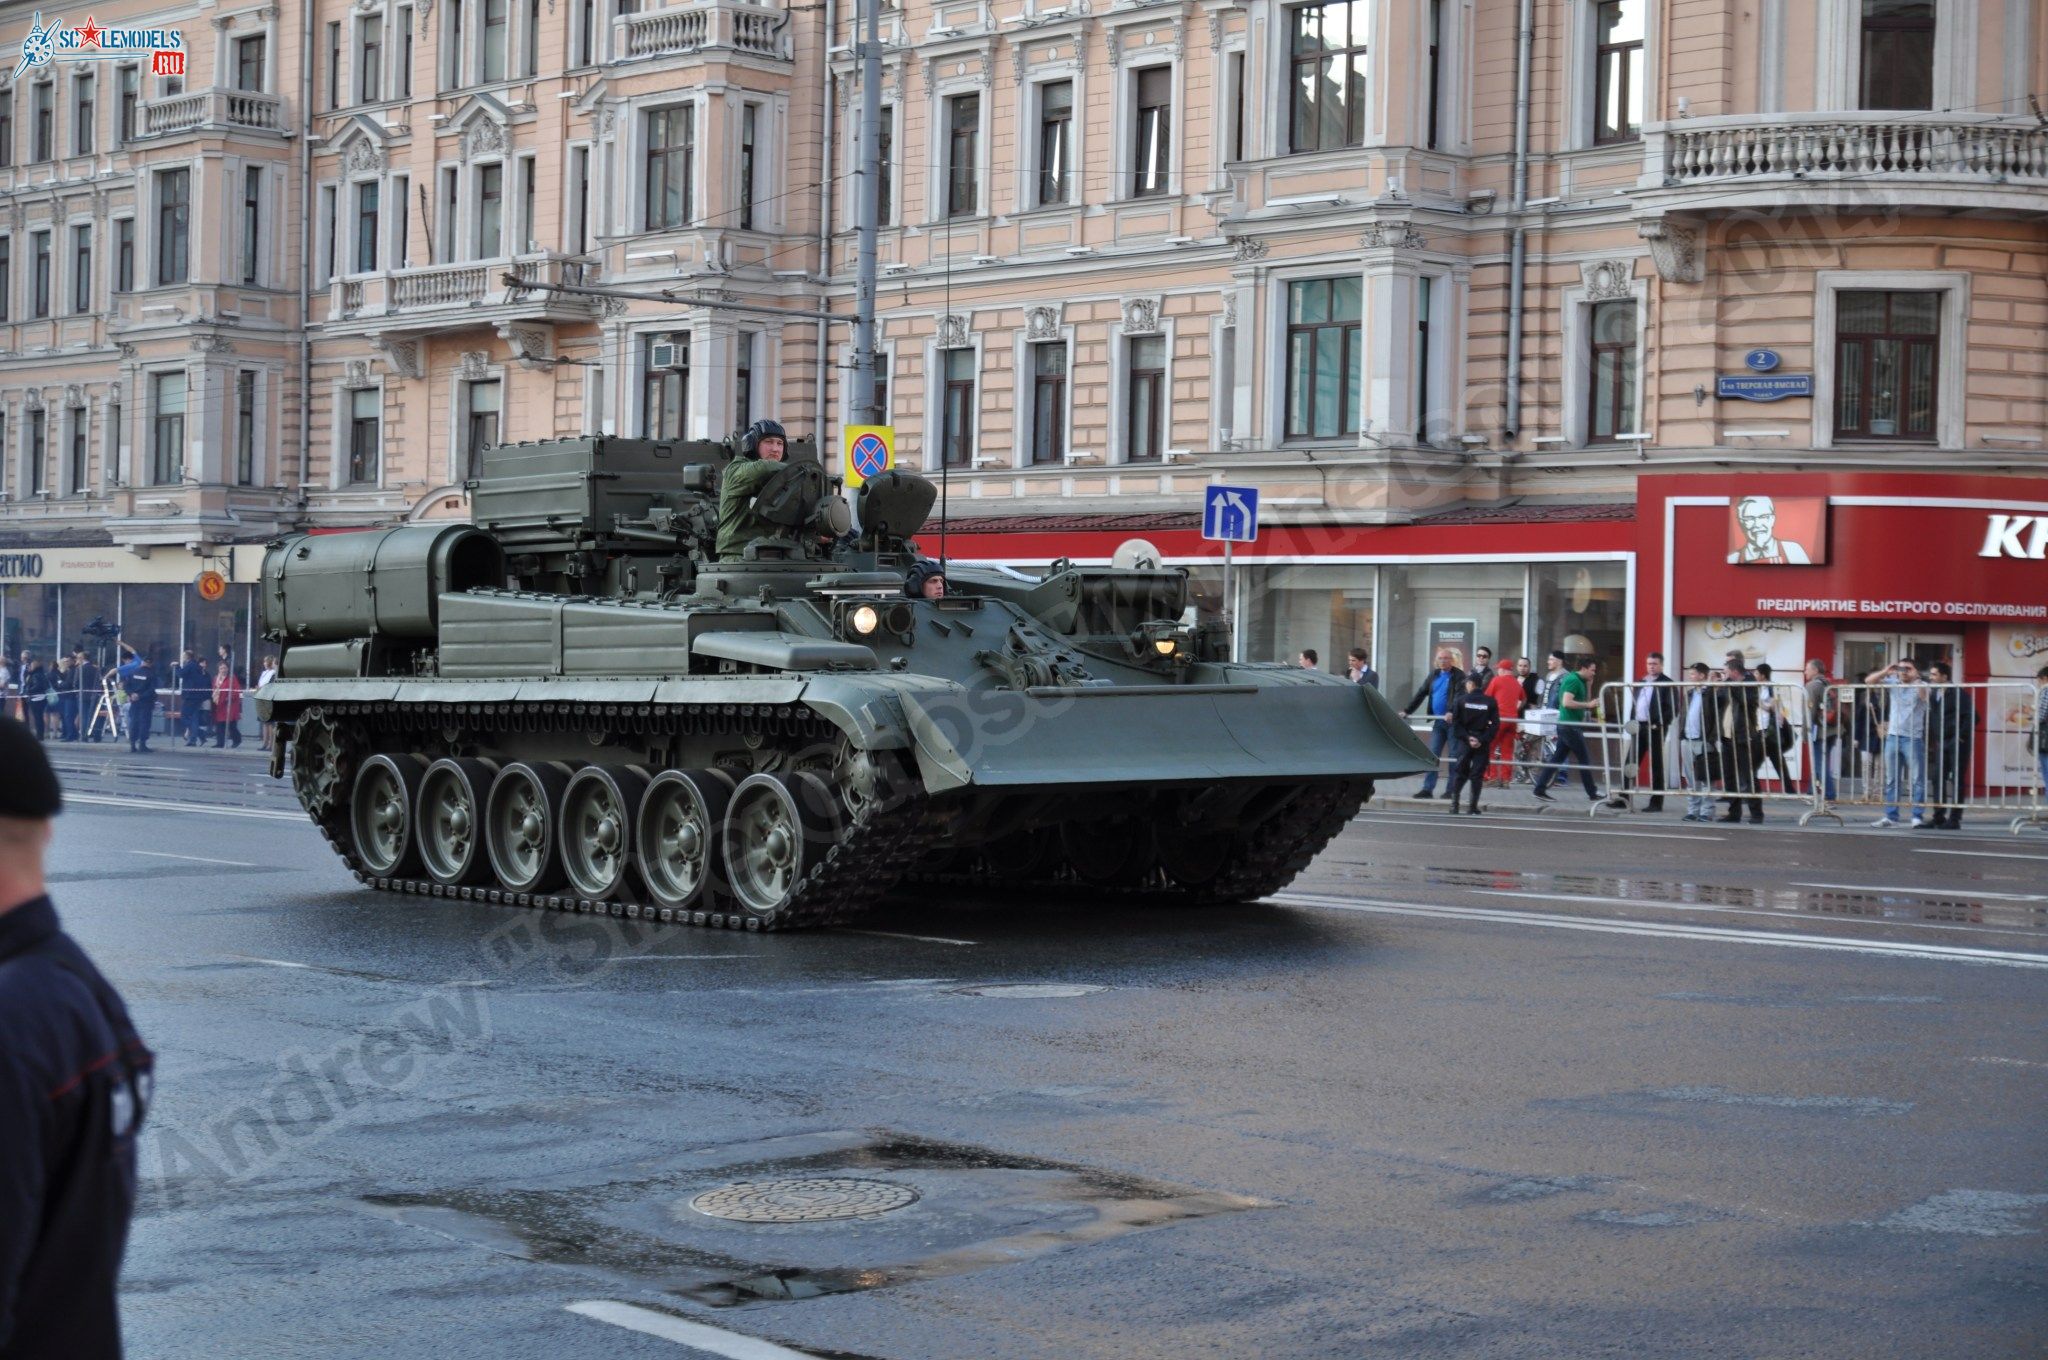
1499,1087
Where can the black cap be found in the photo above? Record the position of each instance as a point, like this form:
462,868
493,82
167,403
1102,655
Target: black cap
921,571
28,786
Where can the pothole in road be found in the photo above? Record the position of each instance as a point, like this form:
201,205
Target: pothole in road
1030,991
807,1216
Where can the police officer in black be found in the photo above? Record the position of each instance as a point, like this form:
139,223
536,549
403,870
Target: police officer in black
74,1083
138,681
1475,720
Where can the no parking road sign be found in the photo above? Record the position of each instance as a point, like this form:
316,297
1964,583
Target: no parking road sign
870,452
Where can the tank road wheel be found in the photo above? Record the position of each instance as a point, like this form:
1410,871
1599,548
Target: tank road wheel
598,811
777,828
519,826
453,795
380,814
324,760
1114,854
1194,856
676,840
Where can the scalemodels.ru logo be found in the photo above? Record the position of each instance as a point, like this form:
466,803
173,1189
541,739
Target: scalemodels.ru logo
58,41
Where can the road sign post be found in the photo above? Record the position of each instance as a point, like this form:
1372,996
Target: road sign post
1231,514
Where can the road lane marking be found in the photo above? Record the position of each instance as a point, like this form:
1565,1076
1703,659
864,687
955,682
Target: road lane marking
197,859
1549,824
158,805
1745,911
1980,854
1667,930
682,1331
1945,893
2010,1062
898,935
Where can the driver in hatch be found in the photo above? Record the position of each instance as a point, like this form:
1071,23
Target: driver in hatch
760,457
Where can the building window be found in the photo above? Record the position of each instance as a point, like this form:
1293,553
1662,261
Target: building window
365,435
1887,358
249,57
671,166
450,185
1152,146
370,59
167,428
1322,358
1618,70
173,225
1237,102
38,450
956,412
1435,71
329,228
6,277
490,211
124,255
963,155
1425,298
1145,398
75,481
1328,66
1898,54
529,40
664,392
7,126
45,132
1611,373
750,119
334,64
529,228
131,100
886,191
1049,402
404,21
366,226
39,273
451,50
83,129
245,427
579,196
743,379
1055,137
401,222
482,402
81,268
252,221
497,28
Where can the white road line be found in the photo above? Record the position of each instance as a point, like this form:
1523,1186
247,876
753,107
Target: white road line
2010,1062
157,805
1740,911
669,1327
1980,854
1782,939
897,935
1551,824
1944,893
197,859
278,963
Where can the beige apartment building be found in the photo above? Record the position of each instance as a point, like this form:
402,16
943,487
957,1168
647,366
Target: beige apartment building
1471,345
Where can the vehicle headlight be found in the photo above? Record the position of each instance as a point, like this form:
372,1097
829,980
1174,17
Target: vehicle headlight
864,619
1164,645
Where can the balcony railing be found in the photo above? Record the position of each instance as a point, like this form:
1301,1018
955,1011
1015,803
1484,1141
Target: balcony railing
240,110
434,291
754,29
1877,146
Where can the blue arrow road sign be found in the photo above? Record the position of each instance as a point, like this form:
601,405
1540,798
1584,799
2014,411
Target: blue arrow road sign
1231,513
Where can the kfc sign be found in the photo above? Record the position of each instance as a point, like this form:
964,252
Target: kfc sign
2016,536
1782,531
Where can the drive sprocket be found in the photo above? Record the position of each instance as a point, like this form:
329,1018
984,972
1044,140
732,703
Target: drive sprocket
325,755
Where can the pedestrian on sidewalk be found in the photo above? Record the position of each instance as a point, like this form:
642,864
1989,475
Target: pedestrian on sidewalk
67,700
227,707
1951,733
1308,660
2038,739
36,692
1655,710
1823,728
1575,707
1361,670
1439,689
1510,698
138,682
74,1088
1474,723
1735,729
195,691
1696,744
264,677
1528,740
1905,739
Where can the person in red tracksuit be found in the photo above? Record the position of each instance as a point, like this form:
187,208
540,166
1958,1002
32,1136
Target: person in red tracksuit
1507,692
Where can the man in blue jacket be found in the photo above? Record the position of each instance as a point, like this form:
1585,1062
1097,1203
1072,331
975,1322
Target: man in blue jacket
74,1084
1439,689
138,682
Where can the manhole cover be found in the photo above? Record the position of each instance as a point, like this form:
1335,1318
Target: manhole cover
1030,991
802,1201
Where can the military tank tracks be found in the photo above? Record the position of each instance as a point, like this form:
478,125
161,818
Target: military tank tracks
713,847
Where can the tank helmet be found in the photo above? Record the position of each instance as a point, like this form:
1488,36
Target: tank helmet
921,571
751,437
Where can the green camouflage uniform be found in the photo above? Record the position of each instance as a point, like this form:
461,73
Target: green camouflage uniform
738,525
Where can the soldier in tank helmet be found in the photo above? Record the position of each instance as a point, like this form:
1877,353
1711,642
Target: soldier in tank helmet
759,456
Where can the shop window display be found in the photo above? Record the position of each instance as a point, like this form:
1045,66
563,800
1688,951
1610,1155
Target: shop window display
1463,606
1327,608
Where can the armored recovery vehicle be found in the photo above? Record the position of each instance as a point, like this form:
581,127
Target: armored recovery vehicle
569,703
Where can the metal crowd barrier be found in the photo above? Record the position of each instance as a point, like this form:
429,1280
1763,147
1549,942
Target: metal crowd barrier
1960,750
1525,745
1753,747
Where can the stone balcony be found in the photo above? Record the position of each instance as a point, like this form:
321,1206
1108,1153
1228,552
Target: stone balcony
214,111
1846,161
438,297
704,26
